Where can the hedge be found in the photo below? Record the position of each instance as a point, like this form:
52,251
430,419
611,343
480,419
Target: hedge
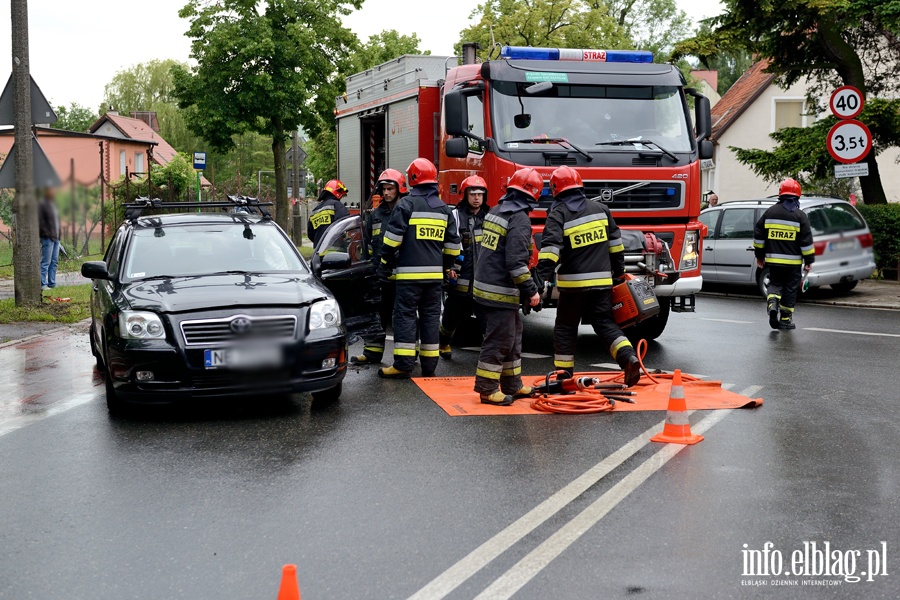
884,223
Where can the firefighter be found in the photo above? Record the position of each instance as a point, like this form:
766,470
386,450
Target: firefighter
783,240
391,186
327,211
419,244
502,282
459,306
581,242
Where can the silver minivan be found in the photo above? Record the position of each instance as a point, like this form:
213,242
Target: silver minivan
842,240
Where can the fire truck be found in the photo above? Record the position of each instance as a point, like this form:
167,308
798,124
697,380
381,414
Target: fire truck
622,121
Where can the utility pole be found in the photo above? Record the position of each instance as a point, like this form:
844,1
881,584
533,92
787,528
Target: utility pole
26,245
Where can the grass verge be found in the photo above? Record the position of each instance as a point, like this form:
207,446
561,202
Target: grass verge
54,307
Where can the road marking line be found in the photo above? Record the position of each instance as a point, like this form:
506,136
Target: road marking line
850,332
54,409
725,321
523,571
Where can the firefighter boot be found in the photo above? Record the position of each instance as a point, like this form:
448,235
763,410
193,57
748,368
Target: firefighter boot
497,398
787,320
632,370
524,392
362,359
445,351
772,308
392,373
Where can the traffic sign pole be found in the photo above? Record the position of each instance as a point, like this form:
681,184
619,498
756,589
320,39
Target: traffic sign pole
849,141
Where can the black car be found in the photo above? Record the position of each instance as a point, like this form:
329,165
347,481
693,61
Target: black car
205,304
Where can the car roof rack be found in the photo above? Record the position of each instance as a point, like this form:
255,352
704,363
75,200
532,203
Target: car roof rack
234,204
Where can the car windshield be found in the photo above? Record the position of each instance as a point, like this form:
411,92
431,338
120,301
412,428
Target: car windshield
192,249
834,218
587,115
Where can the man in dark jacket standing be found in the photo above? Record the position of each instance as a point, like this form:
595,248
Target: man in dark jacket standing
469,213
48,223
327,211
502,280
783,240
583,240
391,187
420,243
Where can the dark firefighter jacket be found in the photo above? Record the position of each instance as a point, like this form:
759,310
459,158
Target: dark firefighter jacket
376,224
420,240
329,210
470,231
783,237
582,238
501,273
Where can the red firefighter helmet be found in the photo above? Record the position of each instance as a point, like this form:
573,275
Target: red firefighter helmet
789,187
564,178
474,181
421,171
337,188
527,180
393,176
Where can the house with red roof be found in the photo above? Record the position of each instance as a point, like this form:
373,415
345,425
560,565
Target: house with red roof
753,108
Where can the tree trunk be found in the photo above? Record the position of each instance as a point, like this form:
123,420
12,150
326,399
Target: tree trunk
26,245
281,199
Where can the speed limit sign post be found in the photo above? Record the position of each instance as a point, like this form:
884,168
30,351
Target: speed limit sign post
849,141
846,102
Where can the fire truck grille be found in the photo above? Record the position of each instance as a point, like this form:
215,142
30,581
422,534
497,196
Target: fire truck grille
625,195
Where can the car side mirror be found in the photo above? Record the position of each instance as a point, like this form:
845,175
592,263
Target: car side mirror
95,269
335,260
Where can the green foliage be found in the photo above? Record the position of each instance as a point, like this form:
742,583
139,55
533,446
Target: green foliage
382,47
322,158
76,308
652,25
74,118
884,223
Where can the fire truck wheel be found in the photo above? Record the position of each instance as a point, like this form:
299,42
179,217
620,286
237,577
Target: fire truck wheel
653,327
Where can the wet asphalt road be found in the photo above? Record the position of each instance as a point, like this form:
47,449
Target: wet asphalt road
385,496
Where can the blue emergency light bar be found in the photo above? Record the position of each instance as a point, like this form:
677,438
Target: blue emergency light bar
575,54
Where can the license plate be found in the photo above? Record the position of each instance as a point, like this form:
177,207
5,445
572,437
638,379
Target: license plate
845,245
243,357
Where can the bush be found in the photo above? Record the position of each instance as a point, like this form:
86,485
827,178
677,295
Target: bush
884,222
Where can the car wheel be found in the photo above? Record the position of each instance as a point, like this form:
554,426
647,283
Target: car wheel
97,356
762,280
328,396
653,327
844,288
114,404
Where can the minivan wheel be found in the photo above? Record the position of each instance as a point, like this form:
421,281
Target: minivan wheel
762,280
844,288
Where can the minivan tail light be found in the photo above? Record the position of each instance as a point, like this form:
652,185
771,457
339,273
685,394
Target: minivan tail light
820,247
865,240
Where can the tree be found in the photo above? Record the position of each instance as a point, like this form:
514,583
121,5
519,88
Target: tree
653,25
150,87
74,118
828,42
554,23
268,67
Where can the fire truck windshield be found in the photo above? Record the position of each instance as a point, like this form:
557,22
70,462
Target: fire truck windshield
589,116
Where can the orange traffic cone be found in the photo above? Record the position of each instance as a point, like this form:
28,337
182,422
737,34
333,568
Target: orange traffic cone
677,429
289,590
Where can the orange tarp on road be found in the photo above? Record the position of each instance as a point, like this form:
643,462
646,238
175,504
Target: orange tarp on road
456,396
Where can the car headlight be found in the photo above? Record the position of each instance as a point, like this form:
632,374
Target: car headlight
689,254
139,325
324,313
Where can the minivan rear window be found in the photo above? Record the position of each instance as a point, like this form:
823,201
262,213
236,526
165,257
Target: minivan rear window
834,218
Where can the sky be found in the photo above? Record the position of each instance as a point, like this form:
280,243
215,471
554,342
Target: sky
76,47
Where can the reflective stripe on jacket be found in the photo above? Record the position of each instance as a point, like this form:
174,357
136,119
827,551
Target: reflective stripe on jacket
783,237
501,273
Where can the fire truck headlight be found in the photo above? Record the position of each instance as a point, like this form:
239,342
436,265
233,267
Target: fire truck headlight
690,258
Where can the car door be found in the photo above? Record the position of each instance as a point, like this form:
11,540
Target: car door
710,218
343,263
734,245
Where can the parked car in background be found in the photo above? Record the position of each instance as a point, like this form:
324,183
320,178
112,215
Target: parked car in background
215,304
843,243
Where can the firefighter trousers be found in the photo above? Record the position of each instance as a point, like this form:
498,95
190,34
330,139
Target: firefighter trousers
417,315
373,346
500,361
784,284
594,308
457,310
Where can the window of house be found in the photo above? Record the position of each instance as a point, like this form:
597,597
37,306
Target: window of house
788,113
139,162
122,163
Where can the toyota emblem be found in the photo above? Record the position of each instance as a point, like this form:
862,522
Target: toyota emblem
241,325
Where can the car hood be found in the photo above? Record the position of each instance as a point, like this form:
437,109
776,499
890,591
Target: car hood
180,294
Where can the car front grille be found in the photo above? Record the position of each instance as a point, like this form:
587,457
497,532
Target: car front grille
238,328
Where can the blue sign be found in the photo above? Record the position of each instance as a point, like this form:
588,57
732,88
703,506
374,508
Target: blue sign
199,160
